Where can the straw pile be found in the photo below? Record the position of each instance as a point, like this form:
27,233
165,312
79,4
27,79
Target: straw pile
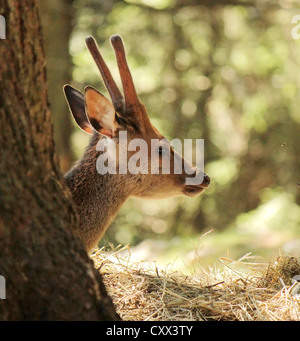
142,292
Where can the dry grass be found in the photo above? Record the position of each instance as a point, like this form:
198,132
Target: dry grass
142,292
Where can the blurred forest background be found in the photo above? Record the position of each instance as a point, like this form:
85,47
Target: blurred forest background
224,71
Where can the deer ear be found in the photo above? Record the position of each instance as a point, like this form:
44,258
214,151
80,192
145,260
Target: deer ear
75,100
101,113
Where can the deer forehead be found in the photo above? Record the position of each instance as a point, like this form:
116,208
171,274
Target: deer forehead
148,135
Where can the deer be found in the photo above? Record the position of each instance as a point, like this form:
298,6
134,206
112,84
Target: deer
98,197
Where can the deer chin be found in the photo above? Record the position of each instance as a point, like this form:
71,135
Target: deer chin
157,195
192,191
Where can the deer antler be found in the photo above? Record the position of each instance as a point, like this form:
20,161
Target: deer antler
115,94
131,98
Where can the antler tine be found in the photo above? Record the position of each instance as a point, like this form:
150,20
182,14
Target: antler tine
131,98
115,94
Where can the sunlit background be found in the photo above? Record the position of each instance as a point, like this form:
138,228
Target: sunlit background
227,73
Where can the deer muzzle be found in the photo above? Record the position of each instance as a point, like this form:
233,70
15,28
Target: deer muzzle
196,189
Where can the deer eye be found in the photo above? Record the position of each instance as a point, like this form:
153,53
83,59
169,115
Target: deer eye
163,150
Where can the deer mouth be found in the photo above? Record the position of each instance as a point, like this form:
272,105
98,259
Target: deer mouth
192,191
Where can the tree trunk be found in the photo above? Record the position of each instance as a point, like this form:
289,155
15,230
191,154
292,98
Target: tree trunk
48,274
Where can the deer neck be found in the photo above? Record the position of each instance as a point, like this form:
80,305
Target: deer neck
98,197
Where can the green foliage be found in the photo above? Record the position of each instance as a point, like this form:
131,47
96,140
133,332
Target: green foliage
228,74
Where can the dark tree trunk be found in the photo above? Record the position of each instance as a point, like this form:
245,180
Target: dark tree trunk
48,274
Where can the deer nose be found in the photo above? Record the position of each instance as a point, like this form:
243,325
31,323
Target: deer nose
206,181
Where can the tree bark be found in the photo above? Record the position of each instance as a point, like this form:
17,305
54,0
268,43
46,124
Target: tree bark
48,274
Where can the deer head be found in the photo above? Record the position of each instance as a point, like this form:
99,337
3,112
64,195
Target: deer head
105,121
